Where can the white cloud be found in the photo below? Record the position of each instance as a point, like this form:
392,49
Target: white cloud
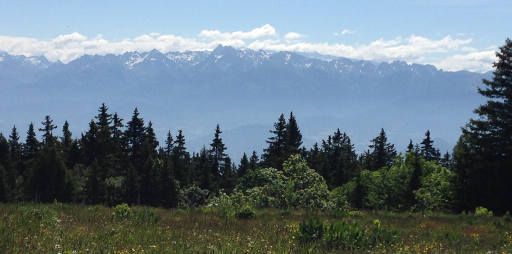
344,32
475,61
293,36
263,31
448,53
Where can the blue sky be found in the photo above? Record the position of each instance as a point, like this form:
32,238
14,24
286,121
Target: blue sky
451,34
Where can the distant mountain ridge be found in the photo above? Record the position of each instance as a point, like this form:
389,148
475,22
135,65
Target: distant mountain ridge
242,89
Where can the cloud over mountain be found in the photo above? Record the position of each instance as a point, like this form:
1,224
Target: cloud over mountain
449,53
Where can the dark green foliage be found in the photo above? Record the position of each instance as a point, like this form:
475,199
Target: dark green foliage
293,136
48,127
244,166
483,155
31,143
428,151
382,153
245,212
336,161
310,230
274,155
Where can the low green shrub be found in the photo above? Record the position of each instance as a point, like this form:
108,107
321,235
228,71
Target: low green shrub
246,212
483,212
145,216
310,230
122,212
345,235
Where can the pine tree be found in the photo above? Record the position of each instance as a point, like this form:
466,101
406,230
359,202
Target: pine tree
293,136
180,158
217,154
428,151
31,143
14,144
243,166
275,154
447,161
169,144
383,152
483,154
410,147
254,160
135,134
48,127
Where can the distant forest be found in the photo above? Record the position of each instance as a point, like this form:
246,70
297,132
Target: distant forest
121,161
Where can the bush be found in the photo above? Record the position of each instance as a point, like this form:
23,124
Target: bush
310,230
122,212
295,186
345,235
192,196
145,216
483,212
246,212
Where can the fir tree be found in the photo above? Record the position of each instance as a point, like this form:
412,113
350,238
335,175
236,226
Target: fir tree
254,160
483,154
428,151
383,152
243,166
180,158
48,127
293,136
31,143
169,144
275,154
14,144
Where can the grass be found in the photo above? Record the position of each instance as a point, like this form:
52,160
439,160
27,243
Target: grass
64,228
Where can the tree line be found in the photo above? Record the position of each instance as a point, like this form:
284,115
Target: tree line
117,161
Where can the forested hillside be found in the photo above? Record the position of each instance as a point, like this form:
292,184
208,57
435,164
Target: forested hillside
121,161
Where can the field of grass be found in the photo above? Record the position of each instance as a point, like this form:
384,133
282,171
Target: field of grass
62,228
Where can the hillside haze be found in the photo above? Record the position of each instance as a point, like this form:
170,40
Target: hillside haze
244,91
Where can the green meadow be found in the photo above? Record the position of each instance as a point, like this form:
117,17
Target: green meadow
66,228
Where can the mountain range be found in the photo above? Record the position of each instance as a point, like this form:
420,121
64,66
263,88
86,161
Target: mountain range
244,91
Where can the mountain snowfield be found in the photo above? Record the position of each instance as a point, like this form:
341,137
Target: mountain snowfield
244,91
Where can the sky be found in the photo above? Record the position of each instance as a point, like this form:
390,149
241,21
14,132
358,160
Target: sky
449,34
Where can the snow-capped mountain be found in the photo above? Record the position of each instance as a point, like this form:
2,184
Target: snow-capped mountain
244,91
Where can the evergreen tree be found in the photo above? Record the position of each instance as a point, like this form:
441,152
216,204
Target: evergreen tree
217,154
254,160
181,158
293,136
14,144
243,166
483,154
383,152
31,143
338,160
447,161
428,151
410,147
275,154
48,127
169,144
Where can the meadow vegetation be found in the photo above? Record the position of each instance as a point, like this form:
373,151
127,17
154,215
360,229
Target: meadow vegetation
66,228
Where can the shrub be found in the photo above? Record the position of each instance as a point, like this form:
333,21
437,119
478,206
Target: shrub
295,186
122,212
246,212
483,212
145,216
193,196
310,230
345,235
